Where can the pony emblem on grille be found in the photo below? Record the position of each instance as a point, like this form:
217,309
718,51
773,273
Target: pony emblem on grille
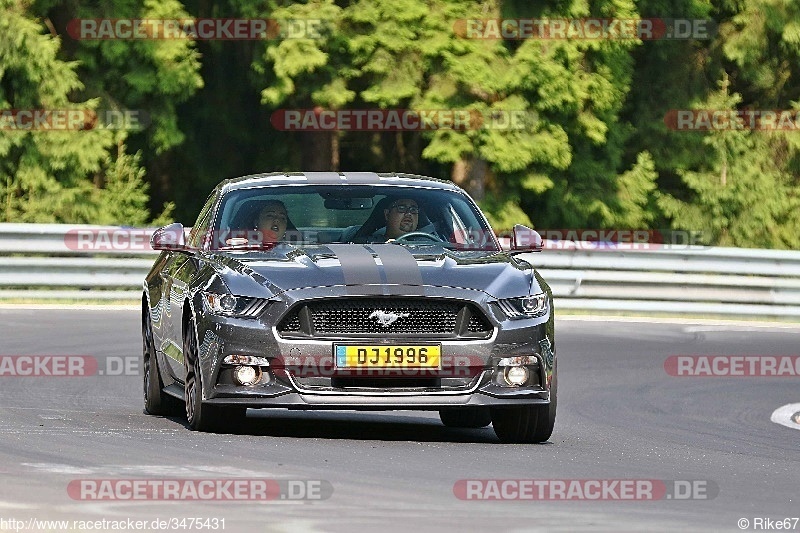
387,319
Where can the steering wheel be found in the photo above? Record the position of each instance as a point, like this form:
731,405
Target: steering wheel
429,236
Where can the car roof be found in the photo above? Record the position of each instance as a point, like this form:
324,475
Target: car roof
335,178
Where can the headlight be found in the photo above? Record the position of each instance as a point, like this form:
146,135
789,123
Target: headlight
230,305
525,307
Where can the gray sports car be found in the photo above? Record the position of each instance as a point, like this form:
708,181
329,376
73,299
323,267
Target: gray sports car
349,291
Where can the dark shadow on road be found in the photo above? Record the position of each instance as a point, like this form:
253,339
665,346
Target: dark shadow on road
362,426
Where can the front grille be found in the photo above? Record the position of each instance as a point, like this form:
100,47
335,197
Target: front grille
292,323
477,324
382,316
417,316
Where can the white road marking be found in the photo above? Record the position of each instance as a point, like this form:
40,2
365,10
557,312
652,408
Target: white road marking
686,321
148,470
730,328
785,415
16,506
69,307
84,411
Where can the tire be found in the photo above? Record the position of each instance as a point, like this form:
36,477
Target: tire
156,401
527,424
202,416
471,417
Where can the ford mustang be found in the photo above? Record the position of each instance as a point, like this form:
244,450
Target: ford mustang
348,291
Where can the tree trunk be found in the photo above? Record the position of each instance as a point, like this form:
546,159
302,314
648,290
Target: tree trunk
335,151
320,151
471,175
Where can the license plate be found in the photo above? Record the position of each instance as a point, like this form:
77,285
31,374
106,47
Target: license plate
388,356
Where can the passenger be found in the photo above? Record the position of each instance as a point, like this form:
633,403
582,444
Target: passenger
272,221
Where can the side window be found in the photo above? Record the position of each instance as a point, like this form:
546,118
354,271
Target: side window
200,228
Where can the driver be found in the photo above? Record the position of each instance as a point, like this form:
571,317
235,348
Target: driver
402,217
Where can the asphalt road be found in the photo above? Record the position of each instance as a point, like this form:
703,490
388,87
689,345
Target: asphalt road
621,417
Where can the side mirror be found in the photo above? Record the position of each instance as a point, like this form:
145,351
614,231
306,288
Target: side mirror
169,238
524,239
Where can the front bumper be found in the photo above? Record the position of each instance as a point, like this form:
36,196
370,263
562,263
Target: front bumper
302,375
380,402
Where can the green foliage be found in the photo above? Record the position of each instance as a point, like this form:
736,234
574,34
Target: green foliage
123,199
58,175
635,194
504,213
763,40
153,75
592,148
740,197
306,71
41,171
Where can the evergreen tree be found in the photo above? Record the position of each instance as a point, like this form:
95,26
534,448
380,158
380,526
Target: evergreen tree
71,175
740,196
46,176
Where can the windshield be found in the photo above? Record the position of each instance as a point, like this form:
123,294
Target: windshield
334,214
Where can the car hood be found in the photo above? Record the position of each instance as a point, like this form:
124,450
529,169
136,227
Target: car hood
371,269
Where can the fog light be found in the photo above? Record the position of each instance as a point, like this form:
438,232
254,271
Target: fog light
247,375
515,375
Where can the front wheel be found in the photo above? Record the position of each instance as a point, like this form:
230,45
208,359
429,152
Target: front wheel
526,424
202,416
521,425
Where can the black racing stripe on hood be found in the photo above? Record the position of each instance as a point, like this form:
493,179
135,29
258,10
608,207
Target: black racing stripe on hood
400,267
361,273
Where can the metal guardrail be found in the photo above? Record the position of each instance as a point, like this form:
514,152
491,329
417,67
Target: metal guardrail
52,261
